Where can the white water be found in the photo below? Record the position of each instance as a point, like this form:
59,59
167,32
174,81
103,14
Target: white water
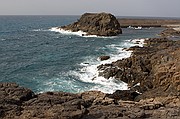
89,72
67,32
139,42
78,33
3,39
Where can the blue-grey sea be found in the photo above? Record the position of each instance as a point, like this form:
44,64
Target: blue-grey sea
35,56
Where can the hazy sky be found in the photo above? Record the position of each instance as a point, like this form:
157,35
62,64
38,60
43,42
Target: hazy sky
161,8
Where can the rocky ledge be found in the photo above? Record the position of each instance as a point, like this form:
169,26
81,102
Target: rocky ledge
171,32
21,103
100,24
152,70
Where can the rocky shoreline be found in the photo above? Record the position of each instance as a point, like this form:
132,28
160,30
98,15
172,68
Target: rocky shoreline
153,76
21,103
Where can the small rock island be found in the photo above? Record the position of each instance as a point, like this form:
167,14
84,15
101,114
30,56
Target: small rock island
100,24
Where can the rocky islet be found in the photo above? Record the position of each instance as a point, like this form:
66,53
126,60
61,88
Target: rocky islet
100,24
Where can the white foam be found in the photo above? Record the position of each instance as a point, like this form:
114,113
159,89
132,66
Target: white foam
3,39
109,85
78,33
139,42
37,30
67,32
89,74
89,71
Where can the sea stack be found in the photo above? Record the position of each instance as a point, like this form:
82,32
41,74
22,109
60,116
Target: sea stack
100,24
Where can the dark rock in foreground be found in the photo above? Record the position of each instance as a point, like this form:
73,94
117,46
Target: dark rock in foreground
21,103
101,24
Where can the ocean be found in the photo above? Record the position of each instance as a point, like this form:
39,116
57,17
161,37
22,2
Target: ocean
34,54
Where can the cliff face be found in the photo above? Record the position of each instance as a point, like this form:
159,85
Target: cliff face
101,24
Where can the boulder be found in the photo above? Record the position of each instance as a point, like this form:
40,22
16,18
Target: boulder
104,58
12,97
126,95
100,24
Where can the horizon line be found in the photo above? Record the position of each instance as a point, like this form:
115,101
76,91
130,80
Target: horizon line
81,14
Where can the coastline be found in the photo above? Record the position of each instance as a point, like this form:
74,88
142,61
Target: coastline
151,72
89,72
162,100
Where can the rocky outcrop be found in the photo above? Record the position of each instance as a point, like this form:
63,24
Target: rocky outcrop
101,24
170,32
152,70
11,99
21,103
104,58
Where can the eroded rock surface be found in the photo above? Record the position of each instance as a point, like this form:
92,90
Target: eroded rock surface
86,105
152,70
100,24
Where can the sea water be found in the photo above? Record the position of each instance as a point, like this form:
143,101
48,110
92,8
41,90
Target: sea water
35,54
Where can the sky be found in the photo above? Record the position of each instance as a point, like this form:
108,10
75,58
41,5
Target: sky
151,8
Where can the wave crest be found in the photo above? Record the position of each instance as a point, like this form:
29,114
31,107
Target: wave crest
78,33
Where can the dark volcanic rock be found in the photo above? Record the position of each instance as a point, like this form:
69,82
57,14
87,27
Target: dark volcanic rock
56,105
123,95
104,58
86,105
101,24
152,70
11,98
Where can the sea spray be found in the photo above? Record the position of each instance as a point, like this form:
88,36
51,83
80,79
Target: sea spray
89,72
67,32
78,33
